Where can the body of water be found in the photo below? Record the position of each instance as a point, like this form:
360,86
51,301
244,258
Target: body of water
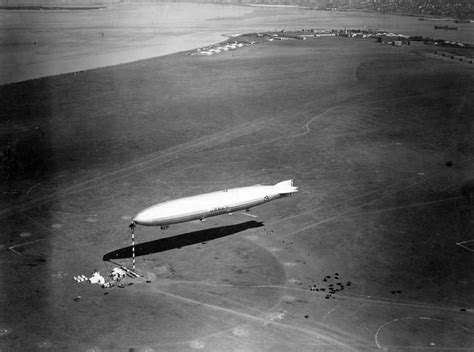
41,43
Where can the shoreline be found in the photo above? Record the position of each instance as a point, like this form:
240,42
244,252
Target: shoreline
110,59
49,8
229,36
17,69
362,10
279,6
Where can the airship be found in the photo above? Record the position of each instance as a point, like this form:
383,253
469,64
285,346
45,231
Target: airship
202,206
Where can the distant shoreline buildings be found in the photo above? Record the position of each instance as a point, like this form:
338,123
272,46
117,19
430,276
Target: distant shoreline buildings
379,36
458,9
461,9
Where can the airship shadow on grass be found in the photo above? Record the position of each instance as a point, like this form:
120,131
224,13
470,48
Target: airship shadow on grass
187,239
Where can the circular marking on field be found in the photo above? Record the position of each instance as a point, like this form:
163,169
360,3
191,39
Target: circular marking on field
44,344
240,332
91,220
25,234
197,345
126,217
289,264
421,333
5,331
56,226
252,237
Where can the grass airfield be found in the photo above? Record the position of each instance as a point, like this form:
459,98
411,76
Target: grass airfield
365,130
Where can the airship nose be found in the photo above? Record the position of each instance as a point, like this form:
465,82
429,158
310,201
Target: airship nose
141,218
148,217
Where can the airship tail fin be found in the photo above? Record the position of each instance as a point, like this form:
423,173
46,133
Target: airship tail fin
286,187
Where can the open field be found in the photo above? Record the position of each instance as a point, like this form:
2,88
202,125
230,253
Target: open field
377,138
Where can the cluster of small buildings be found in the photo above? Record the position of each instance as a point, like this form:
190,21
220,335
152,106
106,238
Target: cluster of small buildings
217,49
116,276
454,56
448,43
456,8
318,34
399,39
380,36
302,34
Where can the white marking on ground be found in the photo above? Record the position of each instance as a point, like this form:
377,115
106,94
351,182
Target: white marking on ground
56,226
306,126
5,331
146,349
462,244
252,237
251,215
94,349
289,264
31,188
25,234
288,298
59,275
329,313
274,249
240,332
197,345
12,248
44,344
126,217
271,317
294,281
380,329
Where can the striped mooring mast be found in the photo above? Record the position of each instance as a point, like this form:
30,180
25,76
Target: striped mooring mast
132,228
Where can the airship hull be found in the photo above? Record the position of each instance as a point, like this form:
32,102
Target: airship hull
211,204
